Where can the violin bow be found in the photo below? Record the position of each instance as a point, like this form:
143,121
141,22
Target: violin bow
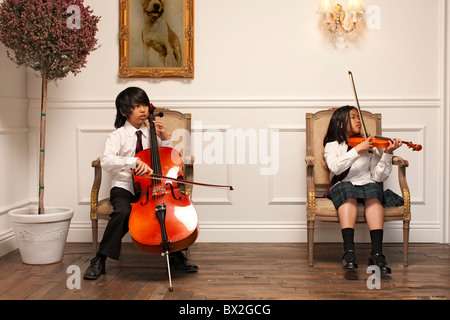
357,104
159,177
415,147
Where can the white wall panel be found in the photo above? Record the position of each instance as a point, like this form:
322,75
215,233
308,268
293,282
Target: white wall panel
90,145
287,185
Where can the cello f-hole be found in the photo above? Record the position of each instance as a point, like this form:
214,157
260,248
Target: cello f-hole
147,192
173,192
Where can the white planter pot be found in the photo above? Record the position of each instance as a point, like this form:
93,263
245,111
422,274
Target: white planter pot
41,238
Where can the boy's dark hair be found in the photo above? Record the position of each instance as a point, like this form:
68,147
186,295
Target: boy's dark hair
337,129
126,102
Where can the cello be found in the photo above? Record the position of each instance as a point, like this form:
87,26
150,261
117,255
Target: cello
378,141
163,220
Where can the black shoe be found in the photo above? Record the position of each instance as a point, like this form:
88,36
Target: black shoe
378,259
179,261
95,269
349,260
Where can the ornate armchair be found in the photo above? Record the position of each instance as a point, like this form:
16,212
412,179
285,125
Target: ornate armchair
178,125
317,180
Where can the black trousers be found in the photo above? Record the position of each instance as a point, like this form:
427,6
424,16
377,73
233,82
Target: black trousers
117,226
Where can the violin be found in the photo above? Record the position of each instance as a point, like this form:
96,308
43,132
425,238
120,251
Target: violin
378,141
164,219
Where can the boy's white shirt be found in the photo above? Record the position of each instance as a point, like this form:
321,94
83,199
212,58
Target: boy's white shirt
364,167
118,157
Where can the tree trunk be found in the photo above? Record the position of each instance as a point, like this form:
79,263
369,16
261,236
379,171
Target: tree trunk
42,142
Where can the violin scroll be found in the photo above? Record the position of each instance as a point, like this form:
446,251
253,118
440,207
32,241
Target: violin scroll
414,147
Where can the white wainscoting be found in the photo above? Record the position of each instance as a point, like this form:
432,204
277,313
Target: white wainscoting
262,207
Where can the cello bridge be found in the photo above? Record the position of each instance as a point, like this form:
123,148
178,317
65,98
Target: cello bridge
159,191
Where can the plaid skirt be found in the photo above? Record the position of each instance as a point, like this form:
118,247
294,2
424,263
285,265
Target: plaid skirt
343,190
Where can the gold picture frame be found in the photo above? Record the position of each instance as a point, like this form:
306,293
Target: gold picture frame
156,39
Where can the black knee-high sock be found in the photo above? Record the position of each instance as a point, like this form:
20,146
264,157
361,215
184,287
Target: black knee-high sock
347,236
376,237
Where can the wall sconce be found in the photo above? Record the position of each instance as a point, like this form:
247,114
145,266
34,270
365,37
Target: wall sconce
334,18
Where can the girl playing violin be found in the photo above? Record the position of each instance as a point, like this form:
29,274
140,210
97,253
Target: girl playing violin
354,174
131,136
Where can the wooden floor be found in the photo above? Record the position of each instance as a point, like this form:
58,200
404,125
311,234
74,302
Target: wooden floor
230,271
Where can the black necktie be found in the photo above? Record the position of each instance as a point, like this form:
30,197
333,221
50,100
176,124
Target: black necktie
139,141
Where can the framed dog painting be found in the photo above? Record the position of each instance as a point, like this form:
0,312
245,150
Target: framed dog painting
156,38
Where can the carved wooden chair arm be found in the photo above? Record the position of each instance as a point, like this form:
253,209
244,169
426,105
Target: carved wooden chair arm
96,164
310,172
398,161
311,192
402,165
309,161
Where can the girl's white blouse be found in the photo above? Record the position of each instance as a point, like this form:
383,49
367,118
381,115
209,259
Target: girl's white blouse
365,167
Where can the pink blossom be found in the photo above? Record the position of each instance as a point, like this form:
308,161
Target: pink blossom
36,35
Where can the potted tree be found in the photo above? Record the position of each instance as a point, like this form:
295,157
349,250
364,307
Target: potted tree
54,38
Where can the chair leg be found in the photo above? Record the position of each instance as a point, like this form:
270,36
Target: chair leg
95,235
310,242
405,242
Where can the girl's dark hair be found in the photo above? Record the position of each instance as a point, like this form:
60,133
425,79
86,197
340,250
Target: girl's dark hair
337,129
126,102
